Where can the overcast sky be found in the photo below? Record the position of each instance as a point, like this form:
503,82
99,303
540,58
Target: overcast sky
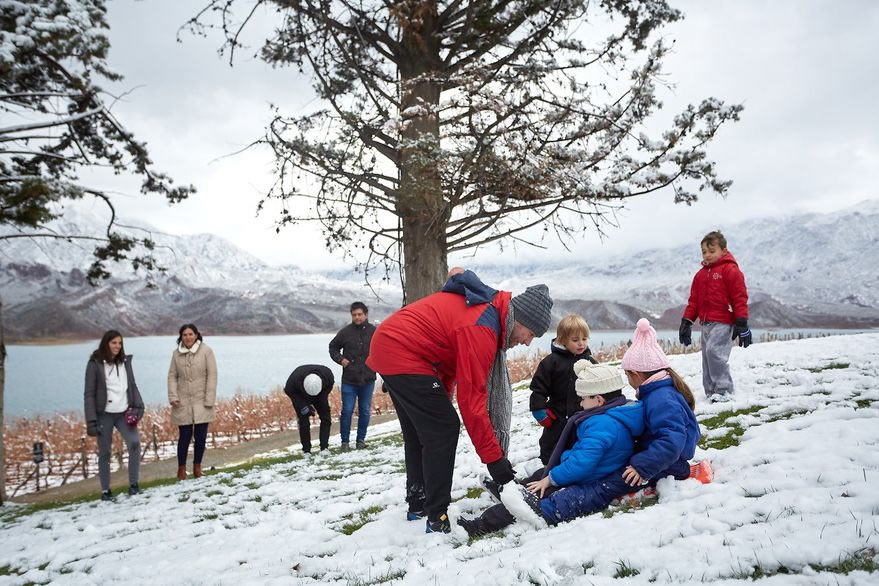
806,72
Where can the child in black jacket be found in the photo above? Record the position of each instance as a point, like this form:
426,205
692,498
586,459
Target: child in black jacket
553,399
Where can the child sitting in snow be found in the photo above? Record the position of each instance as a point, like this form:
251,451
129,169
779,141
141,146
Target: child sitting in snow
553,399
595,442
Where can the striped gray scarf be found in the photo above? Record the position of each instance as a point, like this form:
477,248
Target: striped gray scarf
499,389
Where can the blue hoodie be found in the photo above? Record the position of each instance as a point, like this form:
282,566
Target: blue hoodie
672,430
605,443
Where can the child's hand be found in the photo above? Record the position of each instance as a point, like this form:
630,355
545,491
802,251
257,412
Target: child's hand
631,476
544,417
540,486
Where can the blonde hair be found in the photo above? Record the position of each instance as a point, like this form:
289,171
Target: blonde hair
570,325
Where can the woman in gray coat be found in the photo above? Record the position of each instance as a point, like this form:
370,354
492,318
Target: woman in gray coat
113,400
192,392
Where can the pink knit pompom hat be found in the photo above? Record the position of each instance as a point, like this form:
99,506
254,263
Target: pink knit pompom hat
644,355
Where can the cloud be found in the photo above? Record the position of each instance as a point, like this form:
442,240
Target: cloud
806,73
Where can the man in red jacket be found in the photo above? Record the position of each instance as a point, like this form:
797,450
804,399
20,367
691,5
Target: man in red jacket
454,339
719,298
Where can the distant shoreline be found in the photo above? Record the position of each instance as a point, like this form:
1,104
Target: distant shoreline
55,341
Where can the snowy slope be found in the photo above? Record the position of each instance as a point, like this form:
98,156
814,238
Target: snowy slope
798,495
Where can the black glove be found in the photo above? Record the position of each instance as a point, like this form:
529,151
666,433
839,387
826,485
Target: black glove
501,471
741,331
685,333
92,428
305,410
311,411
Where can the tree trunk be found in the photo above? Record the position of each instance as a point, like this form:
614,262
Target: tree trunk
2,420
420,204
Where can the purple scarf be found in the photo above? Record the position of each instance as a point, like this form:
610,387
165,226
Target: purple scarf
569,431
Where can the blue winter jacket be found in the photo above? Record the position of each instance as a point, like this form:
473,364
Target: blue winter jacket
672,430
604,444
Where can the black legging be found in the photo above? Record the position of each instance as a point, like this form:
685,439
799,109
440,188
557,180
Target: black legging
201,437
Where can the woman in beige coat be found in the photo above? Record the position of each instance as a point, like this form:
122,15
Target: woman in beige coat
192,392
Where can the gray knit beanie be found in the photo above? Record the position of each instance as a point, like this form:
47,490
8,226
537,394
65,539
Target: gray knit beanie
532,308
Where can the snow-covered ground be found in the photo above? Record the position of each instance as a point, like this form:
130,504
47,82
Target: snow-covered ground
796,499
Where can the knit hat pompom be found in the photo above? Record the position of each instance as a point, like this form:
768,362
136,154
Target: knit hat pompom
596,379
645,354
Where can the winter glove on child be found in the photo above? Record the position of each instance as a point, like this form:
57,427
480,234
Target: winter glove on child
92,428
501,471
305,410
685,333
544,417
741,331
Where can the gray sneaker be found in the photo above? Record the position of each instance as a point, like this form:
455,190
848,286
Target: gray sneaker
345,446
361,445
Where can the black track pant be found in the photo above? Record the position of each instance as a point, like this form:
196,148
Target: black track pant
430,427
322,406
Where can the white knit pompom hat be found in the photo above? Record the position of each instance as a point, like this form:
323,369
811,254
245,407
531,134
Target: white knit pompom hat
312,384
596,379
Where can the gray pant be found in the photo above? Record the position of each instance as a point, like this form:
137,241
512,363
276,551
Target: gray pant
716,345
131,437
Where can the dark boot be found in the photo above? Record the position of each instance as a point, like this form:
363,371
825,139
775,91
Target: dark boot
440,525
108,496
196,470
181,472
494,518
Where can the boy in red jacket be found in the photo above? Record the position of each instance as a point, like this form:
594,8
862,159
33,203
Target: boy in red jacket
719,298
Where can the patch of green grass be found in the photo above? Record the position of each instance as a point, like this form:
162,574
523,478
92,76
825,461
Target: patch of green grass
588,566
831,366
211,493
474,492
360,519
728,440
331,476
388,576
863,403
209,517
390,440
719,420
624,570
256,464
5,571
861,560
787,415
15,513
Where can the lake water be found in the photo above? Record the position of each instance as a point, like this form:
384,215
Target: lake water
41,380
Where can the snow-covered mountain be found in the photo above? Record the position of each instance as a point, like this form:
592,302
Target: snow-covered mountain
802,270
209,281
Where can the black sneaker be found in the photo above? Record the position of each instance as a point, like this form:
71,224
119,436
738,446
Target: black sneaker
133,489
345,446
441,525
472,526
108,496
361,445
493,487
